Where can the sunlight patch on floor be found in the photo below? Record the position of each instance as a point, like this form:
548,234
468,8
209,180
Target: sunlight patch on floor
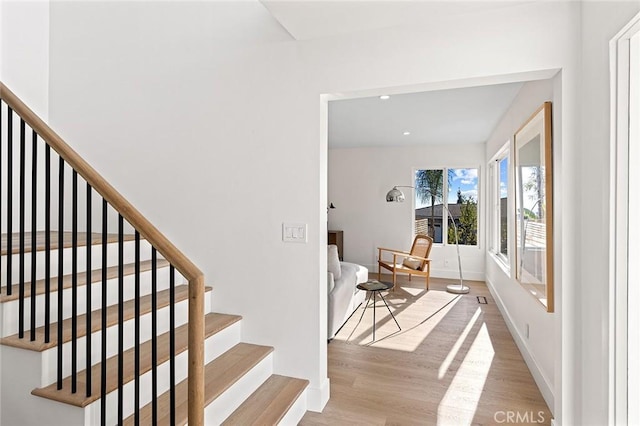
468,383
444,367
413,291
418,318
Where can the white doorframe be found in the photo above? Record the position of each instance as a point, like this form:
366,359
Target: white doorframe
624,330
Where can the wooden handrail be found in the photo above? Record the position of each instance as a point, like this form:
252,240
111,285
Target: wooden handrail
98,183
146,229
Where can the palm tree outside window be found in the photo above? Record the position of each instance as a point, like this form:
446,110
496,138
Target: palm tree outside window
461,189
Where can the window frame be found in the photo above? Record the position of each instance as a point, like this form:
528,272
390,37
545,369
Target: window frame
445,216
494,238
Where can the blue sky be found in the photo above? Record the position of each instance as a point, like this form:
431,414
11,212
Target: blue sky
464,179
504,177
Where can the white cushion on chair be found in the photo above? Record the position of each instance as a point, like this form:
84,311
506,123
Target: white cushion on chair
412,263
333,262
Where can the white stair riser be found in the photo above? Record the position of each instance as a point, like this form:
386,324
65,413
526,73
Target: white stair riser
222,341
296,411
20,375
96,260
9,310
222,407
145,392
50,356
214,346
21,401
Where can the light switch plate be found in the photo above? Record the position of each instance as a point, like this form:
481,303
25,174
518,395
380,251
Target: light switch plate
294,232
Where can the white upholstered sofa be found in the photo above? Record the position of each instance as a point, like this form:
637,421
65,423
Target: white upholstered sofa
343,296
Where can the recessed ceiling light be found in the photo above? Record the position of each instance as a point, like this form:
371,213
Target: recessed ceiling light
406,133
384,97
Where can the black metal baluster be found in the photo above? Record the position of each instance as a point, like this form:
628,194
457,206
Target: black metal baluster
60,265
172,342
120,315
74,281
22,220
9,198
47,243
88,284
154,338
137,331
34,199
103,359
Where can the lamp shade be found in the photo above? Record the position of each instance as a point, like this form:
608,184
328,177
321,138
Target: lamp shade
395,195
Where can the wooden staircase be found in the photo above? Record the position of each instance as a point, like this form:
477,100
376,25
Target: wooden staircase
104,328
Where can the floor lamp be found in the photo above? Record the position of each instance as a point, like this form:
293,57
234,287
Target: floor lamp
396,196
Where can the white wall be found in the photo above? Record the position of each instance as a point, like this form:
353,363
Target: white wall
24,69
600,22
359,179
186,109
24,47
24,59
208,118
519,308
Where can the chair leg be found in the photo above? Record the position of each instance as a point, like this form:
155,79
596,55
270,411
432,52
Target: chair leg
409,277
379,276
428,274
394,280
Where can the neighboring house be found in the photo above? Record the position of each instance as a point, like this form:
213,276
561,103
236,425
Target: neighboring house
200,111
424,215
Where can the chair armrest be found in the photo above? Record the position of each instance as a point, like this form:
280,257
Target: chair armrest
393,251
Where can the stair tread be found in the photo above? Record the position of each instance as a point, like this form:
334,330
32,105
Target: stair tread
214,323
181,293
269,403
220,374
96,238
96,276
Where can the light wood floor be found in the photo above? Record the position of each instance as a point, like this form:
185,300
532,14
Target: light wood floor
453,363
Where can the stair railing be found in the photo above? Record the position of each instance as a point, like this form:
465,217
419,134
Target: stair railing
126,212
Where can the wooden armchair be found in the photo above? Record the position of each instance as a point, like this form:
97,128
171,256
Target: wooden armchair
414,262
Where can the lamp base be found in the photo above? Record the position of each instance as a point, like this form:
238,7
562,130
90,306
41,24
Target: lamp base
457,289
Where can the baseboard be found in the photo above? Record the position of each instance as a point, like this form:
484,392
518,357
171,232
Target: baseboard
543,384
317,397
455,275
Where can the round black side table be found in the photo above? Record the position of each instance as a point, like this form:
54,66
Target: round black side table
376,287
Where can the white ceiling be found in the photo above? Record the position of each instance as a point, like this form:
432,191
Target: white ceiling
308,19
445,116
455,116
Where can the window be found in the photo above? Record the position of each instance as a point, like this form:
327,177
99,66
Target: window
432,216
503,185
428,216
463,205
499,177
